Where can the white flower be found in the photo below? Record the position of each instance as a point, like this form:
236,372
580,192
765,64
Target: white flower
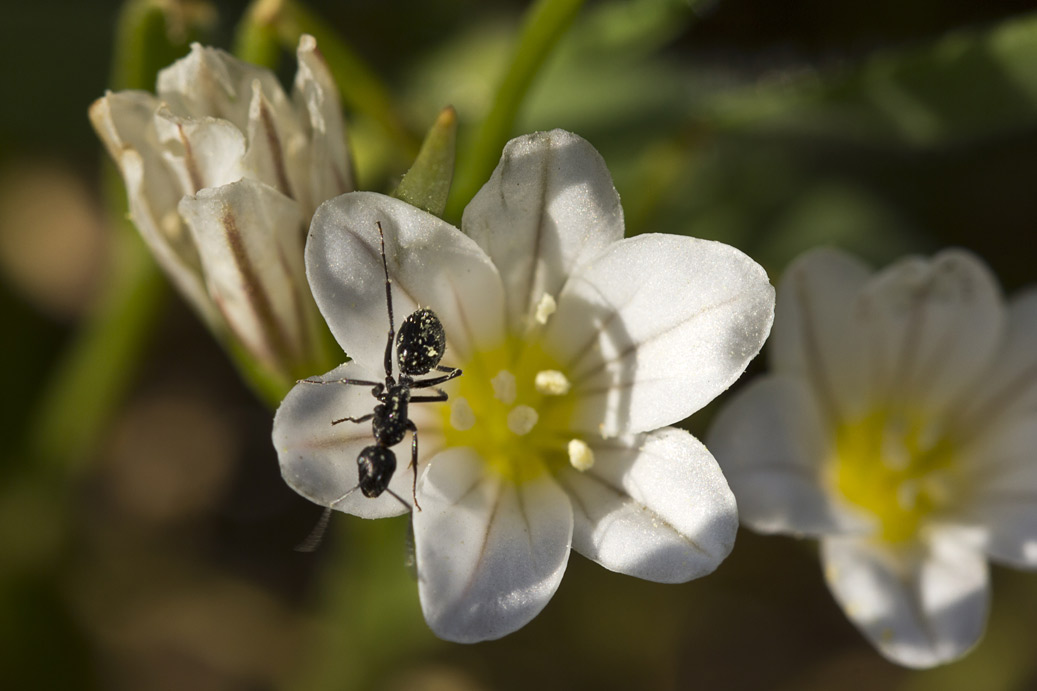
898,425
223,173
578,347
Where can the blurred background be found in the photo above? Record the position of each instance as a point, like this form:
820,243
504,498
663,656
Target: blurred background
146,537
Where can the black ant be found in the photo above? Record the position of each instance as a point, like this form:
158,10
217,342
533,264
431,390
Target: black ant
420,346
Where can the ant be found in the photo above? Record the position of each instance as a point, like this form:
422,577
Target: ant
420,345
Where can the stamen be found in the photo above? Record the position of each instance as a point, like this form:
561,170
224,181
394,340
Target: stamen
551,382
580,455
522,419
504,388
461,415
545,308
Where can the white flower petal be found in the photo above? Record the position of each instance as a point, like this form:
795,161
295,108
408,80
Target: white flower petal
1010,386
1000,490
252,265
920,607
318,459
209,82
936,325
490,553
269,142
655,506
818,333
201,152
655,327
772,445
549,205
125,122
431,263
328,169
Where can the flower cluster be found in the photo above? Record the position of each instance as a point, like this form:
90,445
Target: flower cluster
898,426
224,172
579,348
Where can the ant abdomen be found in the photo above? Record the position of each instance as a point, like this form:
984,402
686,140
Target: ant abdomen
375,466
420,343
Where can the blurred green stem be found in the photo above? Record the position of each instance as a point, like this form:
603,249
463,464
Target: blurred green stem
360,87
96,371
546,22
369,628
101,361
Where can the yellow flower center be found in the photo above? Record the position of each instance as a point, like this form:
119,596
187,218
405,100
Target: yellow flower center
513,406
898,467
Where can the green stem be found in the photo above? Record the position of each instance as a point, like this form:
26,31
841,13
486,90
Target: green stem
545,24
255,38
95,372
150,34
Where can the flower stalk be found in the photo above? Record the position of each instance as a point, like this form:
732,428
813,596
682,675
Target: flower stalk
545,23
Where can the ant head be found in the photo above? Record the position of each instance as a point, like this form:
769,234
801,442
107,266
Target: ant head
420,343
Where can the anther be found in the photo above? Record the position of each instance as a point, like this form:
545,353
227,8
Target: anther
581,456
462,417
504,388
545,308
551,382
522,419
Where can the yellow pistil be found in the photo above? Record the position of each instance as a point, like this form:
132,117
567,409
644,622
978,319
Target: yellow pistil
516,417
895,467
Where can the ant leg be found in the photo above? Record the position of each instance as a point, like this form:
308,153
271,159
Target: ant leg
358,382
388,304
436,381
400,499
440,396
362,418
414,462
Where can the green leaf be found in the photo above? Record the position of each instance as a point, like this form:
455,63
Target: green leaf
427,184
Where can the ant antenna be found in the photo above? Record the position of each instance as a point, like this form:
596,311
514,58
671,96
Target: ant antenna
388,302
316,536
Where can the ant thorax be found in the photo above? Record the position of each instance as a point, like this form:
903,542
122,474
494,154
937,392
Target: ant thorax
389,423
